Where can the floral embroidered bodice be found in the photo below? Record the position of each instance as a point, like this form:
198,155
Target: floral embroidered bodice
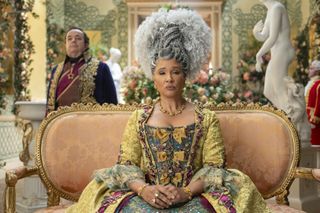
170,148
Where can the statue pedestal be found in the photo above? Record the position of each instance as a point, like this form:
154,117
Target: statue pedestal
304,194
33,195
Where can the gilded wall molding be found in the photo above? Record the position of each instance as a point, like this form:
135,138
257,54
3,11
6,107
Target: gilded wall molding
226,50
122,18
89,18
245,24
78,13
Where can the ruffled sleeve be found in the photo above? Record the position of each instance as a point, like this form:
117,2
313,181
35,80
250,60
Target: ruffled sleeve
218,179
130,147
213,174
128,166
213,147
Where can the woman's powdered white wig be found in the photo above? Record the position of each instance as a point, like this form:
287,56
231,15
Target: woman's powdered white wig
178,34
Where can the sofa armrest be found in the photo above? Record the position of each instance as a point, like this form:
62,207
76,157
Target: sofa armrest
305,173
12,177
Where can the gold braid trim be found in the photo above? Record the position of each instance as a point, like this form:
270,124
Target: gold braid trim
87,84
53,86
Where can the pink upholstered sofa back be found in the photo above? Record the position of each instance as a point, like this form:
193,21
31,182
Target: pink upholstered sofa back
72,143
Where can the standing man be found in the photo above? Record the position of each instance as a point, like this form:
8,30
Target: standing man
80,78
312,93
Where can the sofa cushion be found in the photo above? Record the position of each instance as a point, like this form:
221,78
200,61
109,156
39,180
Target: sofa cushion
261,145
77,144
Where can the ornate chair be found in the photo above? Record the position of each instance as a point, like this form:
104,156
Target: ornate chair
74,141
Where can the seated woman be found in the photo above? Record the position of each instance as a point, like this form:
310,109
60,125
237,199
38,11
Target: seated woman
172,154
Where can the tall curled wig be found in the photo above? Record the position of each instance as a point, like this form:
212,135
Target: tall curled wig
178,34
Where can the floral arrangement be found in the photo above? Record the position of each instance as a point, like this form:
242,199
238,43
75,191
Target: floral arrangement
212,86
249,84
23,48
301,45
5,52
136,87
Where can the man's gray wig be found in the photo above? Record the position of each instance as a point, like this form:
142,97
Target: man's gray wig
178,34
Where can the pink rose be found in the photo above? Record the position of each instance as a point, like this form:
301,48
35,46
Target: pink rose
133,84
214,80
202,77
201,91
246,76
144,91
247,94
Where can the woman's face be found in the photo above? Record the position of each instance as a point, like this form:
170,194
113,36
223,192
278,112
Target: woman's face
168,78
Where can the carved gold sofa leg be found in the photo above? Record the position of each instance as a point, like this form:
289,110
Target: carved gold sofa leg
53,198
282,199
12,177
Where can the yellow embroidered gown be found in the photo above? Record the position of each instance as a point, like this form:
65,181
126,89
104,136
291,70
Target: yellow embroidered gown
171,155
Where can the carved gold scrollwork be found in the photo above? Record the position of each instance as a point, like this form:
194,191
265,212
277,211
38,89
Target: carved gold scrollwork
10,192
27,129
11,179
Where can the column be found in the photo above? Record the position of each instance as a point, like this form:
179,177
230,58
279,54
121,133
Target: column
34,194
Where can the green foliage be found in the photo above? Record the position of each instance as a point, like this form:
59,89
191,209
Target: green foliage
23,49
5,52
301,44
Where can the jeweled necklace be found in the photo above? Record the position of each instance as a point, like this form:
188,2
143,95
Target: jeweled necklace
179,110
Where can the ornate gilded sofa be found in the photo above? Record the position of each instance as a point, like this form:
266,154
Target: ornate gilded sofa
74,141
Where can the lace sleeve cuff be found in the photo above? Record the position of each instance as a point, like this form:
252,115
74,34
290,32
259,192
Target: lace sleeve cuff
117,177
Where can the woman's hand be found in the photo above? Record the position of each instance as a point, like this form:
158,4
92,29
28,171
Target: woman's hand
158,196
178,194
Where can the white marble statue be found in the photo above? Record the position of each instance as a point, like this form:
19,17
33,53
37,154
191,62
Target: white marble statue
115,69
296,108
279,88
275,33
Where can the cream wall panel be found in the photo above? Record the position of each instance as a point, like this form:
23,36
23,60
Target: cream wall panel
38,36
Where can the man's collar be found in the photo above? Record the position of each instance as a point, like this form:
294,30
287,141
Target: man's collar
85,55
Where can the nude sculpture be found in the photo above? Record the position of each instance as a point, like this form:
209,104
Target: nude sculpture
280,88
275,33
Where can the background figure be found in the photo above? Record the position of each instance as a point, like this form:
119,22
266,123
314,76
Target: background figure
312,93
80,78
276,36
115,55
